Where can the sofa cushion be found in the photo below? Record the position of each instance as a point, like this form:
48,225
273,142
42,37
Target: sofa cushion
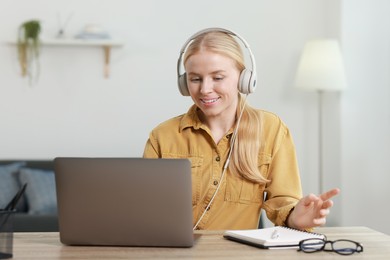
35,223
9,185
40,191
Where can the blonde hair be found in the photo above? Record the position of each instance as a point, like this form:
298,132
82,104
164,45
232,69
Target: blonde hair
245,154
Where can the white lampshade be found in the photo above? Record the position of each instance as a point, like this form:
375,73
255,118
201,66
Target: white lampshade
321,66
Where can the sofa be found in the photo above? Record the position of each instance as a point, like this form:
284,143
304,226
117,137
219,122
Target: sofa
36,210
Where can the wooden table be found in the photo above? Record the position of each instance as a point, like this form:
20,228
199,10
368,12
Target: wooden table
209,245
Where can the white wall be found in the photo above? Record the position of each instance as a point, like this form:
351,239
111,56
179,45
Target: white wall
366,114
75,111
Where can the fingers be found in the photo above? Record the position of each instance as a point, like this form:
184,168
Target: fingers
324,197
324,212
329,194
315,202
327,204
319,221
317,208
309,199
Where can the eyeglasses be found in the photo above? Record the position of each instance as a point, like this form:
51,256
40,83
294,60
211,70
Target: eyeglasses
341,246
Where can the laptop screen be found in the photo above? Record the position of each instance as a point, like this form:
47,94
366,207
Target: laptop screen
124,201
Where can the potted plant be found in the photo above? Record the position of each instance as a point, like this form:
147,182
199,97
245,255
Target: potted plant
28,48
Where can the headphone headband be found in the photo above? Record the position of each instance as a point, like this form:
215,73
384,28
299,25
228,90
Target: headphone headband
247,83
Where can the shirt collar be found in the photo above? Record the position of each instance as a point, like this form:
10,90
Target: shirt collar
191,119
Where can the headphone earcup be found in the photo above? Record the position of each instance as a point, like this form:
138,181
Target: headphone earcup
247,82
182,84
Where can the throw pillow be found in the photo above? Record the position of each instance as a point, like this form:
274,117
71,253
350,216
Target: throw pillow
9,185
40,191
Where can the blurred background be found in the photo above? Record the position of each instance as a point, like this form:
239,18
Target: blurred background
73,109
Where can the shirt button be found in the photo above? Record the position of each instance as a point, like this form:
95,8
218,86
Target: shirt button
218,159
215,183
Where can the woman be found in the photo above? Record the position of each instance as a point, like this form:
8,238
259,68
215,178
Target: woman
237,153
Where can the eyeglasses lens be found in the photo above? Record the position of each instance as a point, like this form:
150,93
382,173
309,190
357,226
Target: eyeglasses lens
312,245
345,247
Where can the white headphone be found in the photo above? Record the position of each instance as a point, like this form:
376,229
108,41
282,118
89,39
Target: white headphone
248,78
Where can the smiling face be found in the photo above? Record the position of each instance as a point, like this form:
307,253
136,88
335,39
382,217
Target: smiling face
212,81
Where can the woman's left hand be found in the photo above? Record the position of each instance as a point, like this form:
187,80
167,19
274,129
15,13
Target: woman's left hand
311,211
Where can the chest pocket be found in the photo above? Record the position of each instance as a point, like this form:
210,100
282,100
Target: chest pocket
241,190
196,172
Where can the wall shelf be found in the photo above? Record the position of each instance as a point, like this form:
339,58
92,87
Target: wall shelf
81,42
106,44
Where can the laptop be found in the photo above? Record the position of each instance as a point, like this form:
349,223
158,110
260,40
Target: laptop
124,201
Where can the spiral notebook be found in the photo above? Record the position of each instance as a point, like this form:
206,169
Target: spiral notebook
272,237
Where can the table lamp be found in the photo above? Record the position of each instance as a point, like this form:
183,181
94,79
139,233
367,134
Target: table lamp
321,69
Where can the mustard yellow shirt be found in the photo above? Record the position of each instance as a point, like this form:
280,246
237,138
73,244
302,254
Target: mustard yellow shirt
238,203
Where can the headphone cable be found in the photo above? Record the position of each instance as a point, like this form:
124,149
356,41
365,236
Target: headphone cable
225,166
